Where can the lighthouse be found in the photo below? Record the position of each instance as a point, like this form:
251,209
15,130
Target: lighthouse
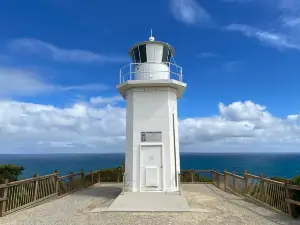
151,85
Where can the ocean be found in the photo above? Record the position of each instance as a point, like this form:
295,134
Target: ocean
281,165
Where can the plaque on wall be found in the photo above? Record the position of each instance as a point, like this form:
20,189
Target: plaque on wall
151,137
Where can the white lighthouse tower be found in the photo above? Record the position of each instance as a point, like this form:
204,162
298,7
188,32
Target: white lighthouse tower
151,85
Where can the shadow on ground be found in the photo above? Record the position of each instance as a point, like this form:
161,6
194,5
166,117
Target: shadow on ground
108,192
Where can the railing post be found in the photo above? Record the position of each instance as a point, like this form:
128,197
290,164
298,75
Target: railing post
71,181
192,175
181,74
56,181
225,179
179,180
3,194
36,186
246,182
118,178
287,196
91,171
218,178
130,71
212,175
82,178
98,176
262,188
233,180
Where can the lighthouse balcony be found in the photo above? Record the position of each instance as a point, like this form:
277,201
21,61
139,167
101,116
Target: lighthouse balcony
149,71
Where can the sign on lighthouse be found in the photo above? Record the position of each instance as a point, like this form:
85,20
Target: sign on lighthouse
151,86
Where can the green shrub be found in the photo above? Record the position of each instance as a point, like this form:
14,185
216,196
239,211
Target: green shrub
10,172
296,180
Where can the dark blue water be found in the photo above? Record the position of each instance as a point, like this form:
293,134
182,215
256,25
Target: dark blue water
282,165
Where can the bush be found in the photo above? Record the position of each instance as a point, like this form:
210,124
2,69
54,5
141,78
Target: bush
278,179
10,172
296,180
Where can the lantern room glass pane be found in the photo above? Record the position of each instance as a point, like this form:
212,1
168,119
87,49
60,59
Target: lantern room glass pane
136,55
143,53
166,54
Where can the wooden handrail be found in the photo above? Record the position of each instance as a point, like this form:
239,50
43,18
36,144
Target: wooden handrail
69,175
17,195
251,175
14,183
274,182
292,202
293,187
199,171
234,175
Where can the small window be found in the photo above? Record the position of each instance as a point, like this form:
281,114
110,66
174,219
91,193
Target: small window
136,55
166,54
143,53
151,137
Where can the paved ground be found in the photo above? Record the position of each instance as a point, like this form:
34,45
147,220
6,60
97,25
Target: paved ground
218,208
156,201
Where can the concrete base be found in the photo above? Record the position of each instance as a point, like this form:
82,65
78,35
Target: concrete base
148,202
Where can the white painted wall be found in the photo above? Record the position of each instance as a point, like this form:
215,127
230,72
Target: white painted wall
150,109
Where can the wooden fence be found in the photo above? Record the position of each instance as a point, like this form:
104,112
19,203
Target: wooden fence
195,176
282,197
24,193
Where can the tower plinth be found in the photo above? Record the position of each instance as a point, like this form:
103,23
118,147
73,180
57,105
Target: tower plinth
151,85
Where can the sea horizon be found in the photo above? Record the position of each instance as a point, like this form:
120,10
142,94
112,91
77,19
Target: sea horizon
105,153
285,165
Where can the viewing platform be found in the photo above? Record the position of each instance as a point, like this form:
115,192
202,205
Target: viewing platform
210,205
206,197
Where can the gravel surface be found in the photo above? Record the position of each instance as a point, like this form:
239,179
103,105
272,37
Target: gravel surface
223,208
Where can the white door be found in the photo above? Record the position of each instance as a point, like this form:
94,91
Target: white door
151,168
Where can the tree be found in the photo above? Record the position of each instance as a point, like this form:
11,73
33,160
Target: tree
10,172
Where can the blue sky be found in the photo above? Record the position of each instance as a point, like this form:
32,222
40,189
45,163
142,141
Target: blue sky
60,61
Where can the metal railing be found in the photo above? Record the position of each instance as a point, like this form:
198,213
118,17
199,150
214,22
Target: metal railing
128,72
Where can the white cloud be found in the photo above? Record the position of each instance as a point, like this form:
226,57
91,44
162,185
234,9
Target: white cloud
232,66
20,82
276,40
189,12
207,55
243,125
83,127
291,22
282,32
108,100
53,52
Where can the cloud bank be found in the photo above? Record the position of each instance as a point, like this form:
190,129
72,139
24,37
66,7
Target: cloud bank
89,127
52,52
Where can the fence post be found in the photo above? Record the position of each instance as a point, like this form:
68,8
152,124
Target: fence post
212,175
3,194
119,173
36,186
82,178
98,176
56,181
225,179
71,181
233,180
287,196
192,175
262,188
92,176
218,178
246,182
